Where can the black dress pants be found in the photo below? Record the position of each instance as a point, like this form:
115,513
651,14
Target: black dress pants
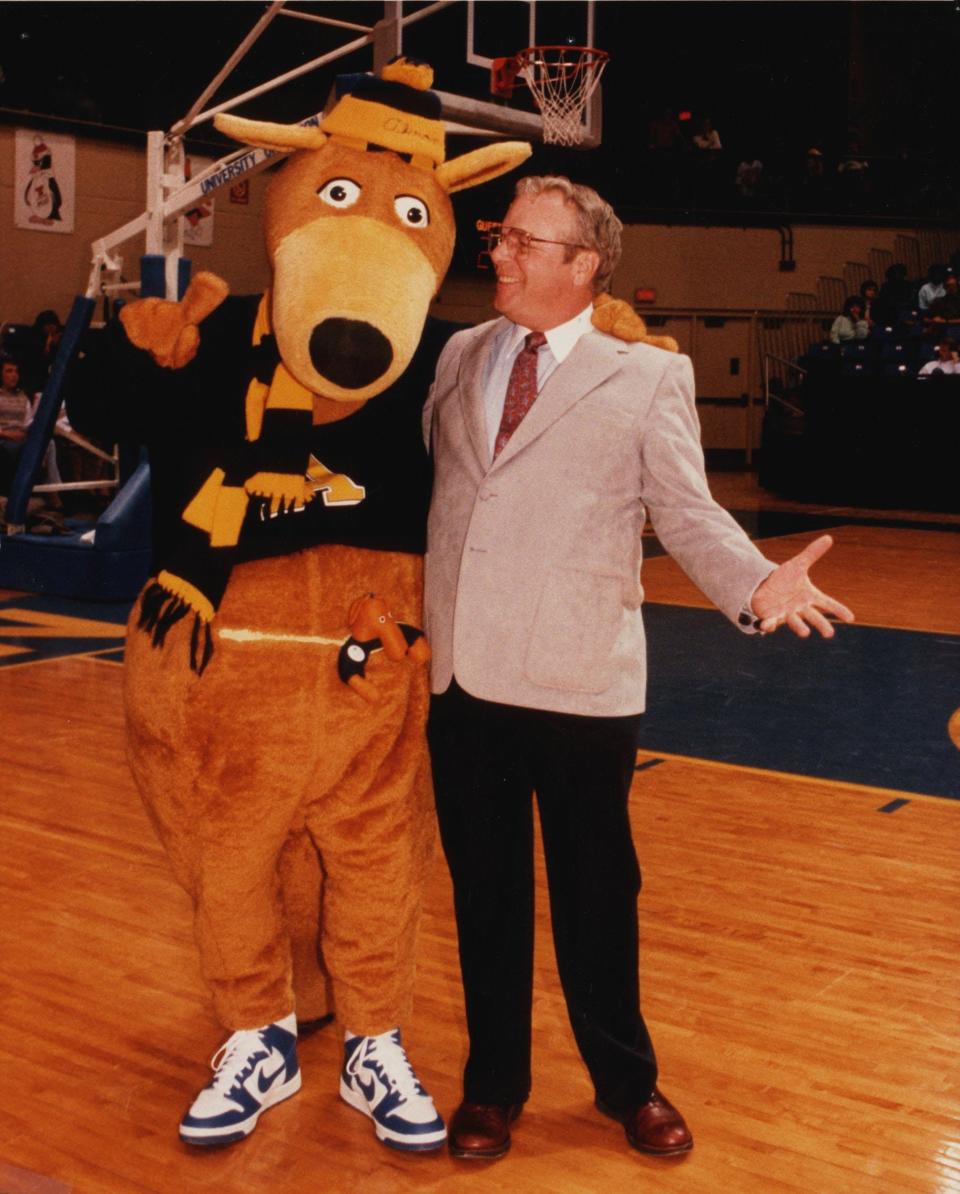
488,761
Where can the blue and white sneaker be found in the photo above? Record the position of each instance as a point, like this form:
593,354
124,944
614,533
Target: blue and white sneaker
253,1070
378,1080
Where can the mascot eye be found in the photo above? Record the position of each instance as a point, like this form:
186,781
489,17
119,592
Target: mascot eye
412,211
340,192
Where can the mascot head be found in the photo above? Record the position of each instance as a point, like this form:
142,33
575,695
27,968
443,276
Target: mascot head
359,227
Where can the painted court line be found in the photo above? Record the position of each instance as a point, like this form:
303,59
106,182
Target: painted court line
833,784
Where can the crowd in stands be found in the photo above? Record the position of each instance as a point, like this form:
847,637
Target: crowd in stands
692,163
33,347
902,328
26,357
873,417
27,354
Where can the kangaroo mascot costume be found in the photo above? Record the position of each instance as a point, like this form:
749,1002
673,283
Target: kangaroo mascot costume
275,706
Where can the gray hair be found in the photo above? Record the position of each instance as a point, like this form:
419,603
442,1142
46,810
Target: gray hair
599,228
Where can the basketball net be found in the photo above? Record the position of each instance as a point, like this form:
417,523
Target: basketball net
561,80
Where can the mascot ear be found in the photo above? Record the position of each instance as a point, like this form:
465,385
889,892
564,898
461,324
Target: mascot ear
481,165
265,135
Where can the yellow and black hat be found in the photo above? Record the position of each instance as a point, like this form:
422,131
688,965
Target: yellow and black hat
397,111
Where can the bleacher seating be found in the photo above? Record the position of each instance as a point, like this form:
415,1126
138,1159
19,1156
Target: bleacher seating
861,430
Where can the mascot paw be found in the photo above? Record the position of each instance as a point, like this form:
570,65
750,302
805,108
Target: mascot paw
665,342
617,318
169,331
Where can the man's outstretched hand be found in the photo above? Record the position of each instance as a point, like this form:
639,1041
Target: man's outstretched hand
788,596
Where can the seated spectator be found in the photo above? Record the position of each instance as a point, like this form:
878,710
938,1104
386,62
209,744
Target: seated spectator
664,134
707,137
947,359
933,288
16,414
852,169
749,176
896,296
868,292
946,309
47,334
850,324
813,179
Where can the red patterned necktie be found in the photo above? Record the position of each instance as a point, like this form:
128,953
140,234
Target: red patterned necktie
521,390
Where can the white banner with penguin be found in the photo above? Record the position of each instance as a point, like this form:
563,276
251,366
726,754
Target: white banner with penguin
44,181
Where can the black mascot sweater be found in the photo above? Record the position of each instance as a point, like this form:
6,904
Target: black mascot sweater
369,474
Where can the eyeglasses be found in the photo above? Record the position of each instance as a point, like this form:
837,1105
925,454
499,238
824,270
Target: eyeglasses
517,240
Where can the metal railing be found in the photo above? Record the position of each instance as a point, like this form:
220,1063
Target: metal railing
792,369
767,337
780,334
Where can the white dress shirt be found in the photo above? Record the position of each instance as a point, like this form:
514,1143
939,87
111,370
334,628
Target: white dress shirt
505,350
939,366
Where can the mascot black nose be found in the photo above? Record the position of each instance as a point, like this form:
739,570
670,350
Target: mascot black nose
352,354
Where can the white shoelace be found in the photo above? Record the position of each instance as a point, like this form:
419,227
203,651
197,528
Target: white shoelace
395,1067
233,1056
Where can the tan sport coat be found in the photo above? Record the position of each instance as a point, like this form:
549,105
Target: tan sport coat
533,589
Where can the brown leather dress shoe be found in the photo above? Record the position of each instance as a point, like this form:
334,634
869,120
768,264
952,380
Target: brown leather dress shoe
481,1130
655,1126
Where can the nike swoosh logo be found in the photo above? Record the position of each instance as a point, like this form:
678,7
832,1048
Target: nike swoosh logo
265,1081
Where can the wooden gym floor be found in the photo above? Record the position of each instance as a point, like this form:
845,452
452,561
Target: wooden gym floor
797,816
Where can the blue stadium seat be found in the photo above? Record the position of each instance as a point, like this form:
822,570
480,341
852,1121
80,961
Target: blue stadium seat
858,350
853,366
894,351
822,360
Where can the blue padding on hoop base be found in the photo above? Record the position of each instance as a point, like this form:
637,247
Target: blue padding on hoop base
111,568
125,524
153,276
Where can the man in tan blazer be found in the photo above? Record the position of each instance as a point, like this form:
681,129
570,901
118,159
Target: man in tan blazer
533,609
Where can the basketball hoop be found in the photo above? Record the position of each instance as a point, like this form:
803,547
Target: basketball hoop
561,79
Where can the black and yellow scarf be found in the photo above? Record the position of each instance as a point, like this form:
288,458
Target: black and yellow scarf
279,419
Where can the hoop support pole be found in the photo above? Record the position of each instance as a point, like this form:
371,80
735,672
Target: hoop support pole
240,52
332,56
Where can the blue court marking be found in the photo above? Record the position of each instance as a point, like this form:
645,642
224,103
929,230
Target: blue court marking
892,806
648,764
39,641
772,524
869,706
